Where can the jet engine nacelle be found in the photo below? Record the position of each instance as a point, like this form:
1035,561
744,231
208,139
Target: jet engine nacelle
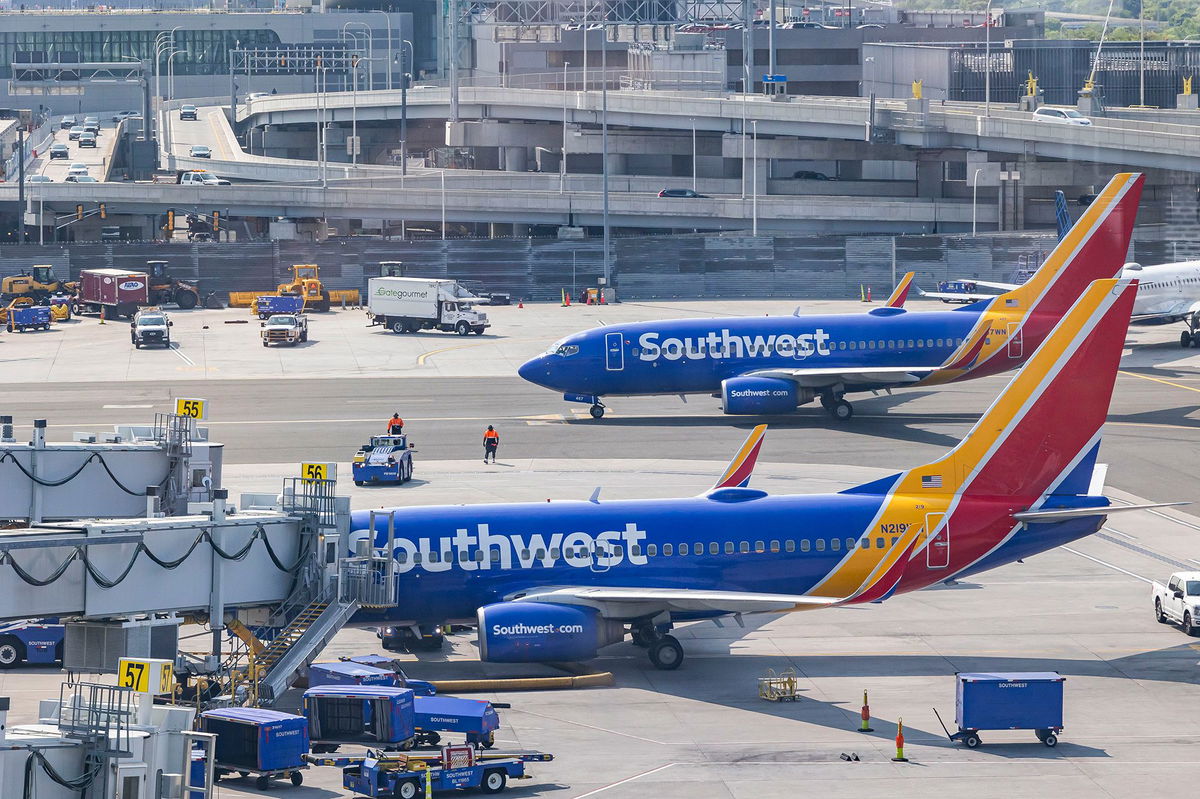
757,395
534,632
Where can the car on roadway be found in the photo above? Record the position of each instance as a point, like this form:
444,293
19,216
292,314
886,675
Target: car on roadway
75,132
808,174
120,115
87,139
39,179
150,326
91,127
680,193
200,151
68,122
199,177
81,179
59,150
77,168
1060,116
189,112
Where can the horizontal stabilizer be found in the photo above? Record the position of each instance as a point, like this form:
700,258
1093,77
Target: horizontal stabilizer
1079,513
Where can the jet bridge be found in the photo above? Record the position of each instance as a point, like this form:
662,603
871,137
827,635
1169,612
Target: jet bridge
277,559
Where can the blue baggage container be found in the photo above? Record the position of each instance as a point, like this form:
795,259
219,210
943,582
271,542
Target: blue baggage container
257,740
268,304
1009,701
349,673
368,714
419,687
477,718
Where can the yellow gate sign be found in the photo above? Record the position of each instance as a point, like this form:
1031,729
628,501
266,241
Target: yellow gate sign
191,408
146,675
318,471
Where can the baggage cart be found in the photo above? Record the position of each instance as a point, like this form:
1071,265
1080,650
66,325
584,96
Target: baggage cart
372,715
268,304
349,673
265,744
1007,701
28,317
437,714
419,687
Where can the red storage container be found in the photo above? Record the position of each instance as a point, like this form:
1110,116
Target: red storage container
114,288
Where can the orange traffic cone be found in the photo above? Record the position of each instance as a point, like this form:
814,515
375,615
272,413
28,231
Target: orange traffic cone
868,293
566,299
101,314
520,303
601,293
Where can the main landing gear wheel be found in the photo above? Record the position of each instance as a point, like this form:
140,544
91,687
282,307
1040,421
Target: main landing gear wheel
597,411
841,410
666,653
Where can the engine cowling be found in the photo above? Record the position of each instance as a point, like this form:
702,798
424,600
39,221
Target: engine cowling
534,632
755,395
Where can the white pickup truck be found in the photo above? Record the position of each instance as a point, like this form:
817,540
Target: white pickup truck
1179,601
285,328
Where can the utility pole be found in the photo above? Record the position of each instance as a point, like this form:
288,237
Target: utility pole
604,147
453,22
21,178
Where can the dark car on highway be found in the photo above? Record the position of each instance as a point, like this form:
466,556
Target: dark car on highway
682,193
59,150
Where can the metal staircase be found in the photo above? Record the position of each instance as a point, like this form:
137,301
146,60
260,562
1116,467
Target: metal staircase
320,607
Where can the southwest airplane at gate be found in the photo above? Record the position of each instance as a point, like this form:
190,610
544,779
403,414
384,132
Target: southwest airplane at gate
769,365
557,581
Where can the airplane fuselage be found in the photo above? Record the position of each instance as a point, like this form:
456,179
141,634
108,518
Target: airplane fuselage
455,559
1165,291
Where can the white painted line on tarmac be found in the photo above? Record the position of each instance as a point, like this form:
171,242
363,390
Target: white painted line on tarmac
628,779
186,359
597,729
1109,565
128,406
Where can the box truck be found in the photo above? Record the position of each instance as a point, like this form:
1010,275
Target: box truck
409,304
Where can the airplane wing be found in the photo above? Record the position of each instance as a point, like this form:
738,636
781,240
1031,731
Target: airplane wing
620,602
900,293
992,285
818,377
961,297
1179,310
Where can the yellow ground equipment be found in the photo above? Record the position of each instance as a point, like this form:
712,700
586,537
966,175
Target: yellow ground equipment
165,289
39,283
306,283
778,687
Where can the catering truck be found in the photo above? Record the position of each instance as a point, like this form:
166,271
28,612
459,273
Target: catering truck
409,304
114,291
1179,601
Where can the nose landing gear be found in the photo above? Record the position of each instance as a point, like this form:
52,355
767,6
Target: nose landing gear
597,410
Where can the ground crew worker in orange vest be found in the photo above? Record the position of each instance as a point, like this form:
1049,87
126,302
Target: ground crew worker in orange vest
395,425
491,442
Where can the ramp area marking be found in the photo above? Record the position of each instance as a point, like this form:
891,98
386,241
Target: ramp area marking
1159,380
122,407
426,356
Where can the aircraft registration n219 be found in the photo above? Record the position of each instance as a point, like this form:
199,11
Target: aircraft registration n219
557,581
772,365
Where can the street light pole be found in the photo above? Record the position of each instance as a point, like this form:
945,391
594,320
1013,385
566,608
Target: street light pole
370,49
388,20
987,60
754,168
354,117
562,161
453,23
974,198
693,153
604,147
443,205
405,74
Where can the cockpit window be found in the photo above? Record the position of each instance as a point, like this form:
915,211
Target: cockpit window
567,350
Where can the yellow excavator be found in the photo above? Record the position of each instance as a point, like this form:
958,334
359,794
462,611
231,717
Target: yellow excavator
306,283
39,284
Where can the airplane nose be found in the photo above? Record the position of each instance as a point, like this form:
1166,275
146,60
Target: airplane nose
535,370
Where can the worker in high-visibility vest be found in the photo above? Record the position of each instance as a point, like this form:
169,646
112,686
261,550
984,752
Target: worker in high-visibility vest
395,425
491,442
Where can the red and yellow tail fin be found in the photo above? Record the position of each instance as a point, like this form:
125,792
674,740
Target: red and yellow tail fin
1051,411
900,293
737,474
1093,249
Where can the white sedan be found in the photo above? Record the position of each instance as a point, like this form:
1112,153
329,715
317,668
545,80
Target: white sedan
1060,116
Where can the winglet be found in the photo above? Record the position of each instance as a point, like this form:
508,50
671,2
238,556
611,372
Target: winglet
900,294
737,474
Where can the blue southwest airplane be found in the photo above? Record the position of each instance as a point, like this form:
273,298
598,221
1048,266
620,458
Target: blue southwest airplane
557,581
771,365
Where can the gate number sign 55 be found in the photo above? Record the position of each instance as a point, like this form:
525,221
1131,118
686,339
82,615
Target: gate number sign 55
191,408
